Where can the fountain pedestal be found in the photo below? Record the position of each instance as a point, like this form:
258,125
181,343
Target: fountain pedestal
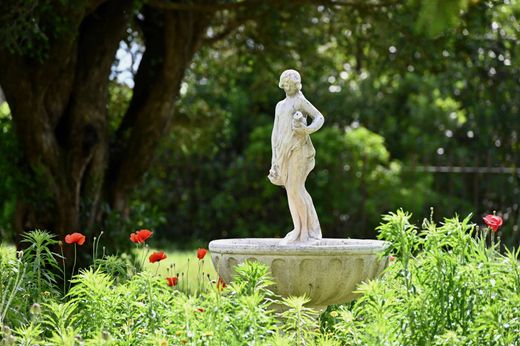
326,270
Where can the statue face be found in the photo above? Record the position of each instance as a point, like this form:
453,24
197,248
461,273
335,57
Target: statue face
289,86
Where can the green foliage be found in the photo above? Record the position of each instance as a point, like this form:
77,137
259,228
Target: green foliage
300,322
12,276
140,309
395,98
16,177
354,181
29,27
435,16
42,263
447,287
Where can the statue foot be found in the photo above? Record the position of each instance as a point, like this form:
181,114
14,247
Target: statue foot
291,237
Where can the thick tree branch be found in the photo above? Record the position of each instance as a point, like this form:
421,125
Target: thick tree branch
62,99
175,36
213,6
84,128
201,7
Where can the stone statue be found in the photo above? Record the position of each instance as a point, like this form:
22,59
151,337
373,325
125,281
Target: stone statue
293,156
302,262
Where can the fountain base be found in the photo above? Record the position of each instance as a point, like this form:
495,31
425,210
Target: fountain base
326,270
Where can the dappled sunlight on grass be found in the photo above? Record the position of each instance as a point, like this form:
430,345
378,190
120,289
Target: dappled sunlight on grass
181,263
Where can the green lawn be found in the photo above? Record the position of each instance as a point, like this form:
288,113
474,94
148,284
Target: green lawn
181,262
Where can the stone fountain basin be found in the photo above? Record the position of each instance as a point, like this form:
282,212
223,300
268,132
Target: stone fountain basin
328,270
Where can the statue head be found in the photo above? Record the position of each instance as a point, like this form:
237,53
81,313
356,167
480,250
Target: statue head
290,81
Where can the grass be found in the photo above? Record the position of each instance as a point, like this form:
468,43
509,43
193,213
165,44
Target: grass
181,263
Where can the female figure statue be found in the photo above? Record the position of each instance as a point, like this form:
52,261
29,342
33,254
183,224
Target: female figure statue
293,156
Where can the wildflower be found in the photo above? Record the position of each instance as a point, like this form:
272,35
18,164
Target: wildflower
172,281
221,284
200,310
6,330
201,253
36,309
75,238
391,258
494,222
157,256
105,335
140,236
334,314
10,340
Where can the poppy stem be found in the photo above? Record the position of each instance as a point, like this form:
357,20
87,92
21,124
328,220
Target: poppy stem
96,247
187,278
156,270
64,272
73,267
144,257
94,253
199,286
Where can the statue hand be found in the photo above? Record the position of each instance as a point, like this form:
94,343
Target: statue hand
302,130
272,172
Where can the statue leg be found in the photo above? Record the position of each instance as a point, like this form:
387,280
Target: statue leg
313,222
298,202
295,233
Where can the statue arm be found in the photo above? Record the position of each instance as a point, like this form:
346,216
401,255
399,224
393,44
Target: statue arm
273,136
317,118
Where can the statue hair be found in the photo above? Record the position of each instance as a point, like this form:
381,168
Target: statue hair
292,75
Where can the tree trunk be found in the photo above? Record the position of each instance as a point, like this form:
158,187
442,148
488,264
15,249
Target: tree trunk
59,110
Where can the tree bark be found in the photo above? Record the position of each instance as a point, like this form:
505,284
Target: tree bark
174,37
59,114
59,110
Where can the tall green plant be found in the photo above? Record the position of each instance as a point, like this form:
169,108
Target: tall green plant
41,262
447,286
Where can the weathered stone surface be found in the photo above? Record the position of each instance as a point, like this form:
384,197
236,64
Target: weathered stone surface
293,156
327,270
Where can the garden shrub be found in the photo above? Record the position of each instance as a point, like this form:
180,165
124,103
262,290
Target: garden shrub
448,286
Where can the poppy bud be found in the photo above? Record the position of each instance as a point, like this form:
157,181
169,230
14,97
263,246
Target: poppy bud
10,340
36,309
201,253
6,330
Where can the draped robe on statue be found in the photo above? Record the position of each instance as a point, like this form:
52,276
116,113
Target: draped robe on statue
293,159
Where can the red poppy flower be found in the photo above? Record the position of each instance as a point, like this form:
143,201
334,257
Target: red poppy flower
75,238
221,284
494,222
201,253
172,281
200,310
157,256
140,236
